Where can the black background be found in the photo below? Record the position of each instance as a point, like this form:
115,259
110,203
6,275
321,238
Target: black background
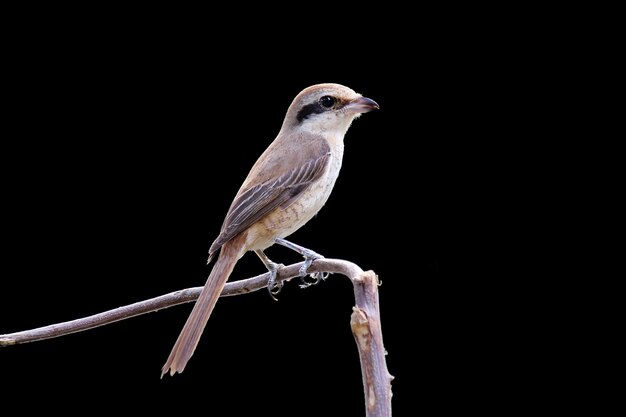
120,161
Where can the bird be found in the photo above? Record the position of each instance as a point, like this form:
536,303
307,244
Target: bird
285,188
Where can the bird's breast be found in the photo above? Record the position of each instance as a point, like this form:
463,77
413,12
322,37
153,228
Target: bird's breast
283,221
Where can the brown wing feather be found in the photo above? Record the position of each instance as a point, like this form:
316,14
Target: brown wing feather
252,204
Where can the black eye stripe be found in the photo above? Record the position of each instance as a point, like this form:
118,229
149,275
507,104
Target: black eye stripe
309,109
325,103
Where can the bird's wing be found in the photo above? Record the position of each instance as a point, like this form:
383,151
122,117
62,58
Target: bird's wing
252,204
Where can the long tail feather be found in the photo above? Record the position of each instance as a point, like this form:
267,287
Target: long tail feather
190,335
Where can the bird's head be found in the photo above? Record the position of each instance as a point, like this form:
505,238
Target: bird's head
326,108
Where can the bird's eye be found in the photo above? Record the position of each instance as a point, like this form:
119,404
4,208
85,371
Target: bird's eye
327,102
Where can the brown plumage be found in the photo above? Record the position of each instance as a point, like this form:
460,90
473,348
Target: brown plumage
285,188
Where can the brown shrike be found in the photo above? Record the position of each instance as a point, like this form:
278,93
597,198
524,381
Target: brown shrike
286,187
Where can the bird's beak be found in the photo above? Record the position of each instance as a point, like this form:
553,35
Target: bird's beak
361,105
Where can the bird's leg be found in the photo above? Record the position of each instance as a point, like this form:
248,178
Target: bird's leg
273,287
309,257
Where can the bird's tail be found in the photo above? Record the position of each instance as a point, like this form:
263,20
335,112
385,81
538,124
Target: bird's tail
190,335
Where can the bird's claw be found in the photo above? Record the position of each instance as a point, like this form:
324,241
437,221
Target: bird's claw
274,287
309,257
308,260
317,278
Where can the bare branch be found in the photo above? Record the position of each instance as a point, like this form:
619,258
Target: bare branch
168,300
365,322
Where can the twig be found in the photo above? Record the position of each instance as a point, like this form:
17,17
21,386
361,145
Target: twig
365,322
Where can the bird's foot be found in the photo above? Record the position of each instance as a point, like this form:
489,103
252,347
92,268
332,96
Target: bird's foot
317,278
309,257
273,287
